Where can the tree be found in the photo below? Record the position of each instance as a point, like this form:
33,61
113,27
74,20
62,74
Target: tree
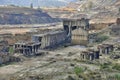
31,5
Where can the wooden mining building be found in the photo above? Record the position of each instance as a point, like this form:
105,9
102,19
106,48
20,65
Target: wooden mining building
74,32
51,39
89,55
77,30
105,48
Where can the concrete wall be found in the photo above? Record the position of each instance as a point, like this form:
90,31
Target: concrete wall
51,39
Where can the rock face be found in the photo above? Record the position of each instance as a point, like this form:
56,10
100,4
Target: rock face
94,3
17,15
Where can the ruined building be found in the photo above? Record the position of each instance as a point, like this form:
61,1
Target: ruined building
89,55
77,30
4,57
27,48
74,32
4,52
41,41
105,48
50,39
4,46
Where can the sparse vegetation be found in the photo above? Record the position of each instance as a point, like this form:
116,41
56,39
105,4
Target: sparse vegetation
104,66
11,50
116,67
78,70
117,77
114,77
102,38
67,62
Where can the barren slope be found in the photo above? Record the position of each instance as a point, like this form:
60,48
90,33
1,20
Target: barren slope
20,15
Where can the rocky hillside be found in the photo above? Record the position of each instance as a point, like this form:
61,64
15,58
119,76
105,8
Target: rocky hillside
85,4
17,15
97,8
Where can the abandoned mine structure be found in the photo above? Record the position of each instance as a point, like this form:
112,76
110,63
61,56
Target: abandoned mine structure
75,31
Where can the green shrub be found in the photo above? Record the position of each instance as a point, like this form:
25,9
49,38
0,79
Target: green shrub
104,66
117,77
78,70
11,50
116,66
102,38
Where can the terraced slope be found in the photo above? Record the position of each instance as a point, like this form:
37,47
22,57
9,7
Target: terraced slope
94,3
18,15
97,8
